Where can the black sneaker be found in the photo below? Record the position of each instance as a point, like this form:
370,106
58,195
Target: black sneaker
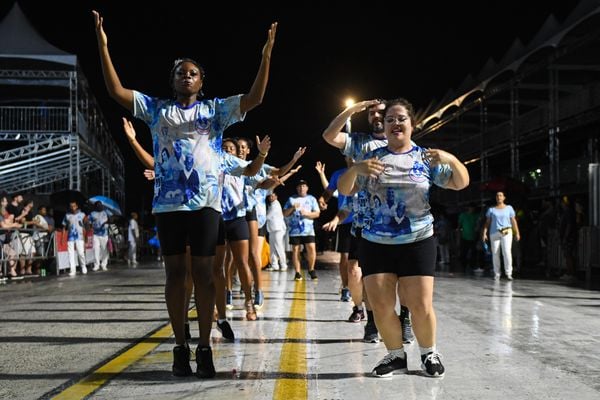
298,276
389,365
407,334
432,365
226,330
357,315
181,360
313,275
188,335
371,334
205,367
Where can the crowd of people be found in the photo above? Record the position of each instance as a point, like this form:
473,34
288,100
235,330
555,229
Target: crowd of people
214,207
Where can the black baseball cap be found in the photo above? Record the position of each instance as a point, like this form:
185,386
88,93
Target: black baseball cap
301,182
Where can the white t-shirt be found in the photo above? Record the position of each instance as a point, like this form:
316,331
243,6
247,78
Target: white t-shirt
133,232
275,221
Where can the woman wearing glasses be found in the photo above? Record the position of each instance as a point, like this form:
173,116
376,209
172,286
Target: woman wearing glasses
401,249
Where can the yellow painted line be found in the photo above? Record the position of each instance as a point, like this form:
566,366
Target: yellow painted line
92,382
293,355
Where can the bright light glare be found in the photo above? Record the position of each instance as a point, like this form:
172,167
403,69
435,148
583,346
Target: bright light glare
349,102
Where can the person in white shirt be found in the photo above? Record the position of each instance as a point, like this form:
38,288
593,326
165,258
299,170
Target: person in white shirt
133,235
99,220
73,222
276,228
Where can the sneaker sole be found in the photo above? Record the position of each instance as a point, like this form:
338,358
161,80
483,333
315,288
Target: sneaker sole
428,375
371,340
389,375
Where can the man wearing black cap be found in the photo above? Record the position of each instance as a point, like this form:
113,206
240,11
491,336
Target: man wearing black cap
301,210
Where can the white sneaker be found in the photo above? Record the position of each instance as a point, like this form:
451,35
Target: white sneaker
274,267
96,268
72,273
497,277
83,270
104,268
283,268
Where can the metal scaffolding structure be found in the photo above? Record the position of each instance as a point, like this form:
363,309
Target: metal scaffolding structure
531,120
53,135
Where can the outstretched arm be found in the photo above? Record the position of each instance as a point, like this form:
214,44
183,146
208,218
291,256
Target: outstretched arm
272,182
141,154
320,167
255,96
333,134
122,95
284,170
263,150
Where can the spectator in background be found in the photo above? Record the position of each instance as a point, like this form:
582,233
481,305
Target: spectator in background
501,223
133,236
99,220
276,228
7,222
301,210
15,208
40,236
73,222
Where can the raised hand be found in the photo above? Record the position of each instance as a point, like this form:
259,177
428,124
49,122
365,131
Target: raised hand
320,167
294,170
266,52
263,146
100,34
129,130
363,105
299,153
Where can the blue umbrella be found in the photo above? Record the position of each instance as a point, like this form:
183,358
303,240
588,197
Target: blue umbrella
110,205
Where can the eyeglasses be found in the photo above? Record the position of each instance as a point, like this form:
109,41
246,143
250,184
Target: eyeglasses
399,118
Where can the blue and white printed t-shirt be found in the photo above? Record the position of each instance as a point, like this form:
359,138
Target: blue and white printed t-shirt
297,224
500,218
341,199
357,146
99,220
396,208
187,149
74,224
233,196
260,195
252,182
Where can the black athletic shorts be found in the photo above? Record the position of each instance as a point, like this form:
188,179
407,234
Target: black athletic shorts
199,229
410,259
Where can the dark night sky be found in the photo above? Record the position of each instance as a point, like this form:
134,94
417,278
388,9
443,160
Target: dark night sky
324,52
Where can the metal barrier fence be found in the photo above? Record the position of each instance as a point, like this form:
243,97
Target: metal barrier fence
28,244
35,119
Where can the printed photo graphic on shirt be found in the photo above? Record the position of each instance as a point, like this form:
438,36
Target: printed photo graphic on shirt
388,218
